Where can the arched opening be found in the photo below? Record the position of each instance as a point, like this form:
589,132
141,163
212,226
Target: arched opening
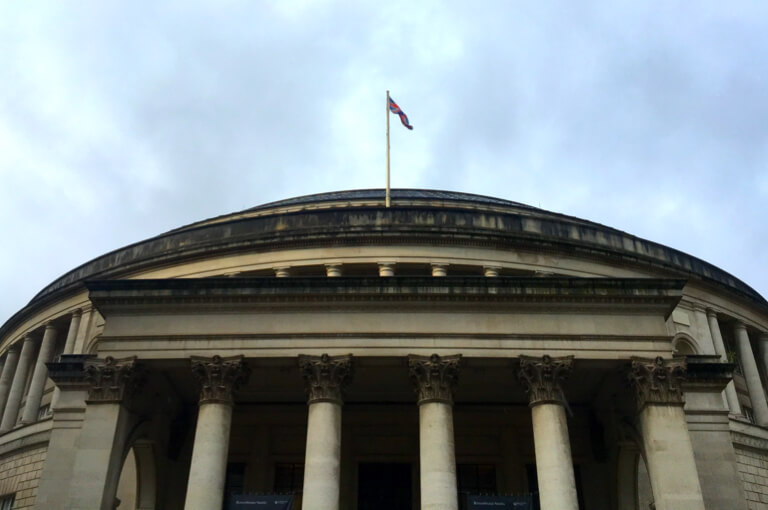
684,345
137,488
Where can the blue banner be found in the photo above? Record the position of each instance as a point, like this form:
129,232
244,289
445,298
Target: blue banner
261,502
499,502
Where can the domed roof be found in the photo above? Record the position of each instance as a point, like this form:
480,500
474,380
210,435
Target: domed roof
428,217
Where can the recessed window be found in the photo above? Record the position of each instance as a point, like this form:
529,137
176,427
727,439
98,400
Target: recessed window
289,478
6,502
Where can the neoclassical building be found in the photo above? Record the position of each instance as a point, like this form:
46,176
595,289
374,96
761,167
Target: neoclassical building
355,357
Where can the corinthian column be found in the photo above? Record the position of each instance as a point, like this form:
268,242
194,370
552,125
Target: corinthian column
19,383
751,374
541,378
667,444
219,377
95,470
40,375
435,378
324,377
9,369
730,391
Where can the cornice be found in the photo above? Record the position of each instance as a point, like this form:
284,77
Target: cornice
425,225
571,293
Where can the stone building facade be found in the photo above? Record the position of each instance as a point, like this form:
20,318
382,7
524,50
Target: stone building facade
359,357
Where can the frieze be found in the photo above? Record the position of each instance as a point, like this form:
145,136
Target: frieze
657,381
111,380
325,376
542,377
219,377
434,377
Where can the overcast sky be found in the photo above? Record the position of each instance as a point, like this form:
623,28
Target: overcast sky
122,120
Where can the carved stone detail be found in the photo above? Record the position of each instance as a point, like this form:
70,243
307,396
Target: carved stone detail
112,380
434,377
325,376
657,381
541,378
219,377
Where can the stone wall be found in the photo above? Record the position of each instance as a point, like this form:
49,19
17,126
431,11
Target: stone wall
753,470
20,474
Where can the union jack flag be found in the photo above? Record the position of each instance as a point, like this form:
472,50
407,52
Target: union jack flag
396,109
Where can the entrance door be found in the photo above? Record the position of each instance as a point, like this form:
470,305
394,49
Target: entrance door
384,487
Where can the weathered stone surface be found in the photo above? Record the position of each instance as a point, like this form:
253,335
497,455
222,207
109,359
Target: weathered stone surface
325,376
112,380
219,377
657,381
434,377
542,378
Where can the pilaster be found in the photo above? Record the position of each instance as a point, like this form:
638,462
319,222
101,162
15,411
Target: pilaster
666,441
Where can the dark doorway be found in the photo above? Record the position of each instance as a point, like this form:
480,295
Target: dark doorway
384,487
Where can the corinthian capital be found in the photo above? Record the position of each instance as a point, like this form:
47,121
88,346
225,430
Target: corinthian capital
325,376
111,380
542,376
657,381
434,377
219,377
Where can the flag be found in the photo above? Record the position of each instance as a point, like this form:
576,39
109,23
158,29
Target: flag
396,109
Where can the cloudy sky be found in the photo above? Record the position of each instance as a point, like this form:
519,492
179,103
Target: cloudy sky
121,120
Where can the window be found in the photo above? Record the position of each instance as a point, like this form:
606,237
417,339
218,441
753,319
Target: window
44,411
235,480
475,479
289,478
6,502
748,414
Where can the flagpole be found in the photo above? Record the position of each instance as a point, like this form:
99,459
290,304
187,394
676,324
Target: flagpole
386,200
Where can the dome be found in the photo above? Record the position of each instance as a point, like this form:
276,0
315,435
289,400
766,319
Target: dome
474,348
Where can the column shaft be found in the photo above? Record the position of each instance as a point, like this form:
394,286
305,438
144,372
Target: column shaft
6,379
542,378
74,326
762,342
205,489
323,457
554,465
40,376
324,377
435,379
18,386
670,459
69,348
667,443
437,458
207,472
751,375
730,390
98,458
